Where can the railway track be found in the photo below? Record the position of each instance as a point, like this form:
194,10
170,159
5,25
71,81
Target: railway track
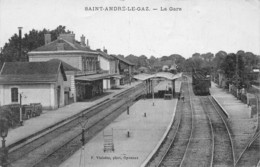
50,148
172,149
199,148
250,156
177,150
222,152
160,153
199,135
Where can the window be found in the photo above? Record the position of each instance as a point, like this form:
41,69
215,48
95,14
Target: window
14,94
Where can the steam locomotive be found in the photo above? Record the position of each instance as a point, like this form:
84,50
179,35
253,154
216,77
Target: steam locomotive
200,84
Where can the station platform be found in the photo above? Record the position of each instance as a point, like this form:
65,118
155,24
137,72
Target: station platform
146,134
243,126
51,117
233,107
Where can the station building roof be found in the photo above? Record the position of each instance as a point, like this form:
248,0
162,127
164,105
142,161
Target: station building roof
165,75
31,72
123,60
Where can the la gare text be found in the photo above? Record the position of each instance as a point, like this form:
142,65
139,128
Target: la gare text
131,8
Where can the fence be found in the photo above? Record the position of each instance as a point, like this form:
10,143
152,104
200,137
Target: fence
247,98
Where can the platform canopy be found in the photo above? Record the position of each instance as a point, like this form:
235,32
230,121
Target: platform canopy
165,75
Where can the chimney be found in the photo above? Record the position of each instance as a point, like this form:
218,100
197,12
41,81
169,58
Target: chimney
20,42
104,50
88,44
47,38
82,40
68,37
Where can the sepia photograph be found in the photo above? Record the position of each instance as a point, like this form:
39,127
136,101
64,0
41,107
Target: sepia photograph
129,83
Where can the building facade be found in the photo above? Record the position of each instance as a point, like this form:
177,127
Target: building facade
33,82
78,55
125,69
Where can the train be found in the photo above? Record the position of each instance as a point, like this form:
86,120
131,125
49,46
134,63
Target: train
200,84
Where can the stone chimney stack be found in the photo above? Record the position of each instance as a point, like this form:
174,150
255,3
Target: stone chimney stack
104,50
88,44
82,40
47,38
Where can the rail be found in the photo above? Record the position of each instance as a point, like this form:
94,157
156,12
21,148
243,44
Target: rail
229,134
165,143
192,110
116,104
257,133
222,108
247,146
213,136
50,128
168,148
161,142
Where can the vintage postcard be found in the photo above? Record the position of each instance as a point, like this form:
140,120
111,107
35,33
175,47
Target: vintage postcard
129,83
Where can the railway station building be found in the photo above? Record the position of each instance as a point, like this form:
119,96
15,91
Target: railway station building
96,69
109,64
69,84
33,82
125,70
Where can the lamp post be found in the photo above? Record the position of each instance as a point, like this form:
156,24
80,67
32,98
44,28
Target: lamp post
3,133
152,91
83,123
21,112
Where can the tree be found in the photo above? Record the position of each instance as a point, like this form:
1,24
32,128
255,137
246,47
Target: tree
233,67
219,58
188,65
207,57
195,55
152,60
229,65
132,58
30,41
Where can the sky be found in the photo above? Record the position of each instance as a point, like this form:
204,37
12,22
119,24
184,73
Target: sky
200,26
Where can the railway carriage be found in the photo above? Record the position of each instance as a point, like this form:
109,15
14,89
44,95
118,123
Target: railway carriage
200,84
